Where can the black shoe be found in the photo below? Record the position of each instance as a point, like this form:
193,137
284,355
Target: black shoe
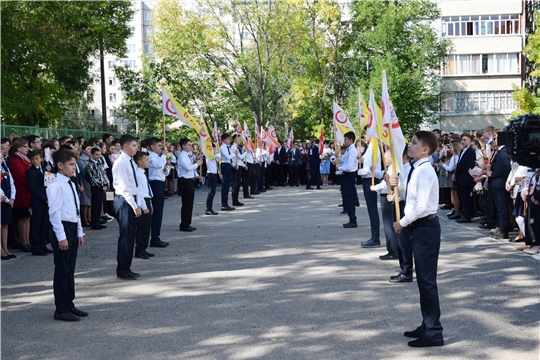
319,188
388,257
340,205
501,235
5,258
227,208
46,249
103,221
249,197
371,244
484,226
400,279
135,274
159,244
426,341
343,213
186,228
99,227
210,212
26,248
141,255
446,207
451,213
237,203
309,188
350,225
148,253
38,252
12,256
454,217
416,333
127,276
263,190
67,316
357,204
78,312
463,221
516,240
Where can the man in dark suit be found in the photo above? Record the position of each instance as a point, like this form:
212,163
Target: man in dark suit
464,180
279,158
314,165
498,173
294,162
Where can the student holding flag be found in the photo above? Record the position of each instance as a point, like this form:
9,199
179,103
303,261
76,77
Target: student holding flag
186,176
348,165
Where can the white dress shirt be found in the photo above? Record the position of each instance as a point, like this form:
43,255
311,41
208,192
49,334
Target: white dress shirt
226,154
156,164
186,168
241,156
144,192
212,165
249,157
124,179
422,192
365,171
349,160
453,162
63,206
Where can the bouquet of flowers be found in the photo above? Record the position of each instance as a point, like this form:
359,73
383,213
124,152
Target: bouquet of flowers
445,154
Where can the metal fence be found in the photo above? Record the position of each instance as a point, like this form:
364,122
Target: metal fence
47,133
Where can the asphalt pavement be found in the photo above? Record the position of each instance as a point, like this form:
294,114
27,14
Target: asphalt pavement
278,278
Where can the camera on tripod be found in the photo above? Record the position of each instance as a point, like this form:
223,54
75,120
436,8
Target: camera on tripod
522,140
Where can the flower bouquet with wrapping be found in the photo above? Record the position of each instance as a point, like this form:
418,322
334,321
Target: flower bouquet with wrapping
445,154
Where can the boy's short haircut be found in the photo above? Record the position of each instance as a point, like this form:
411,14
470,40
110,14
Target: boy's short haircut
225,136
138,156
153,141
184,141
106,136
465,134
94,150
66,147
427,138
63,156
64,139
34,153
126,139
350,135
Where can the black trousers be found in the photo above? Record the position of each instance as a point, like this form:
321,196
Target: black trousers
126,241
371,203
253,170
142,231
260,182
466,201
64,268
245,181
388,213
426,241
500,200
188,196
405,251
348,192
212,183
96,201
226,180
39,227
268,176
158,203
293,175
315,178
237,180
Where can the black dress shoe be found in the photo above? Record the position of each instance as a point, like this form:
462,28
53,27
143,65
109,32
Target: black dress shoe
67,316
371,244
78,312
103,222
127,276
26,248
135,274
426,341
5,258
515,240
12,256
309,188
340,205
388,257
186,228
148,253
451,213
416,333
227,208
484,226
141,255
249,197
38,252
463,221
158,243
357,204
99,227
210,212
46,249
237,203
350,225
401,279
343,213
319,188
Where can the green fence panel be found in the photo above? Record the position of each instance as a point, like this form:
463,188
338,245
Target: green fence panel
50,133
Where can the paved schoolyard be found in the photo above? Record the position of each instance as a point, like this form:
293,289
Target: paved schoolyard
277,279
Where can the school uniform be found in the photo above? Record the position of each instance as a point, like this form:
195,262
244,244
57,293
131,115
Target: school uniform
186,176
262,155
125,203
370,197
421,205
212,179
465,182
143,222
348,166
314,161
97,181
64,215
250,181
294,163
7,189
238,165
226,173
156,176
404,241
39,221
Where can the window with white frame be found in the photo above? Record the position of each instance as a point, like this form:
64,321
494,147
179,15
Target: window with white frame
478,101
130,48
148,48
112,96
147,31
482,64
112,64
112,80
485,25
147,15
130,64
112,113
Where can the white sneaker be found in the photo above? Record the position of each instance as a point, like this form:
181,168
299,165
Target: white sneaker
536,257
109,217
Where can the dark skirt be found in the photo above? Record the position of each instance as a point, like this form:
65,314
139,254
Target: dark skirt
518,206
6,215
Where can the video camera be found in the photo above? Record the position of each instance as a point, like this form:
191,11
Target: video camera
522,140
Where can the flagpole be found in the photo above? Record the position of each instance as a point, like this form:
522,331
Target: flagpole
359,122
394,156
164,133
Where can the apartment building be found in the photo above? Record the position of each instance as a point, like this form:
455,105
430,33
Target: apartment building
488,38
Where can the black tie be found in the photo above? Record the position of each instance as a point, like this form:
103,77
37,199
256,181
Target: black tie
229,150
149,188
74,196
134,174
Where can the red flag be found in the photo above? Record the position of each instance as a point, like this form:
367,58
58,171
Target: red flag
321,140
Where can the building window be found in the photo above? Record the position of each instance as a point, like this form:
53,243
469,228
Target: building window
91,66
478,101
112,96
112,64
130,64
147,16
112,81
147,31
132,29
148,48
485,25
130,48
92,112
90,97
484,64
112,113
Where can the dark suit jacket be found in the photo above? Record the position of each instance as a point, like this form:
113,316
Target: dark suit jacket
467,162
500,168
297,156
280,155
34,179
313,156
